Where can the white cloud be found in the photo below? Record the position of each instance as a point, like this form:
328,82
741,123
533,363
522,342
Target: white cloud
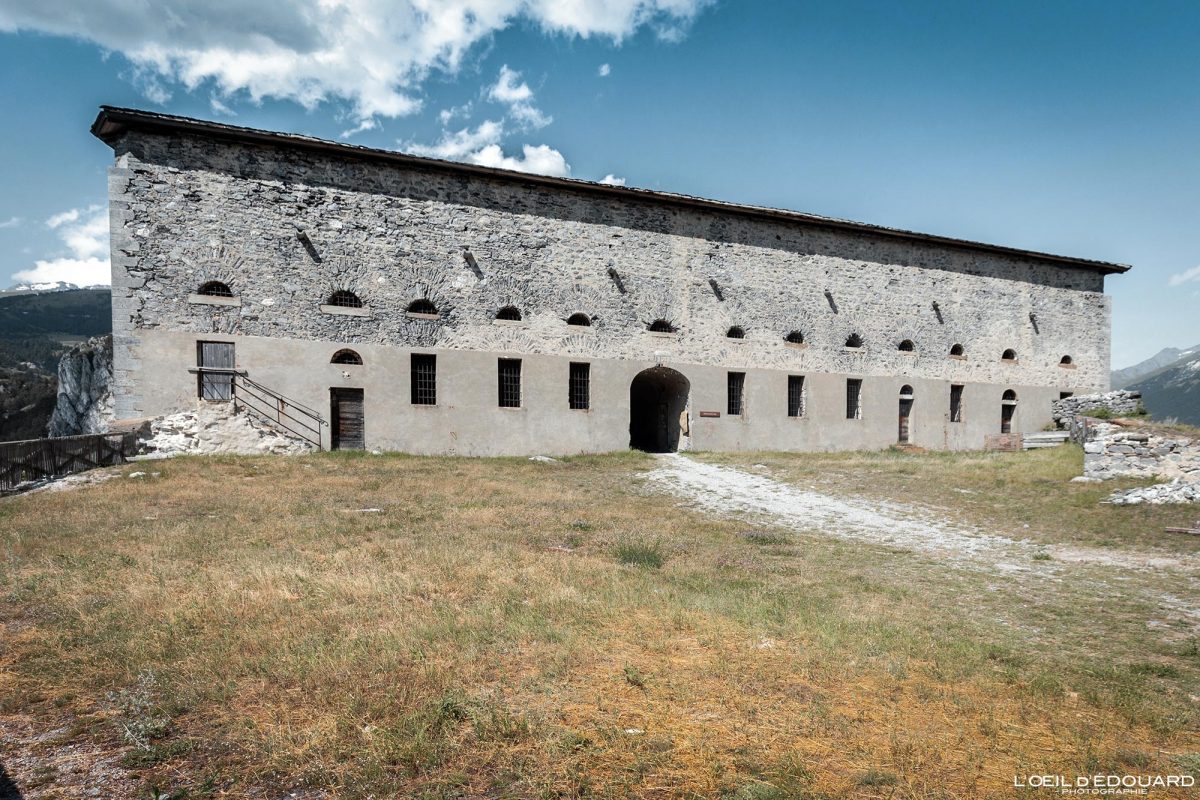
84,234
1187,276
604,71
218,107
482,146
612,180
11,222
368,124
448,115
541,159
510,90
373,54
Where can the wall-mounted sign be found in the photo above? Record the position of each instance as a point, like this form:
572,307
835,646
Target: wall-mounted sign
710,413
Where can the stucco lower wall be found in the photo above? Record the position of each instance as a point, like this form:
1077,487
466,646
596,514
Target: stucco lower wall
467,421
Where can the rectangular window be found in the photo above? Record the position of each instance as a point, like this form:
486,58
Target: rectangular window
423,379
795,395
216,369
737,386
578,386
854,398
509,371
956,403
1065,395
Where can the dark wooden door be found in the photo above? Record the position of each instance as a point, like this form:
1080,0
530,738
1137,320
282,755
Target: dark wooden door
1006,417
215,356
905,412
346,413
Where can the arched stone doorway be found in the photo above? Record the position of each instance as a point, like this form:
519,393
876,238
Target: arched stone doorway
658,402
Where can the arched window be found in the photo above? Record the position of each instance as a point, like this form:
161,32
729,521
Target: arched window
854,340
1009,355
957,350
344,299
422,306
215,289
907,346
661,326
579,319
906,391
1008,409
795,337
510,313
1066,361
346,357
735,332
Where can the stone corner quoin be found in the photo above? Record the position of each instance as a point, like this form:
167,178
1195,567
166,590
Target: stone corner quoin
432,252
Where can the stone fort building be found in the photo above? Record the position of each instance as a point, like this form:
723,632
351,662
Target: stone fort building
405,303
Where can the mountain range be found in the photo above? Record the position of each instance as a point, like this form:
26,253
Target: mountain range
1169,382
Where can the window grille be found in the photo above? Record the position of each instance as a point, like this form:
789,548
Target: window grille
956,393
579,386
509,371
579,319
346,357
662,326
737,387
216,369
736,332
422,306
215,289
854,340
423,379
795,397
854,398
795,337
510,313
907,346
344,299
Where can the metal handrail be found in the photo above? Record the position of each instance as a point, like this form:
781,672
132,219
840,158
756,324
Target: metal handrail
244,392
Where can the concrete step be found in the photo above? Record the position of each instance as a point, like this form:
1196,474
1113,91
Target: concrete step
1036,441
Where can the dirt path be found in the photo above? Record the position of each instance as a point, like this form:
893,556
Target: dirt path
726,490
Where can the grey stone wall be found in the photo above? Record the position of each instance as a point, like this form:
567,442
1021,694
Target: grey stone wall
1113,451
1121,403
186,210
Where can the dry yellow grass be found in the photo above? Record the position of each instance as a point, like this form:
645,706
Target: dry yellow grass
242,623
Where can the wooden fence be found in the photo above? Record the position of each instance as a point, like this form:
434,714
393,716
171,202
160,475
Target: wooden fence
41,459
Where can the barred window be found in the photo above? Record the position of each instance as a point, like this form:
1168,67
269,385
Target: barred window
907,346
423,379
854,398
956,411
661,326
795,337
509,373
854,340
344,299
795,396
736,332
580,319
215,289
579,386
737,388
422,306
346,357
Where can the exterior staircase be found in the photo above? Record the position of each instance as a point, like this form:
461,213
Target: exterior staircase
282,412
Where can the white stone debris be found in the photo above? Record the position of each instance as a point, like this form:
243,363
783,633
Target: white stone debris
216,428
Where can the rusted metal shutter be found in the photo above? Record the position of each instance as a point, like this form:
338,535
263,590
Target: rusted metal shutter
216,356
347,415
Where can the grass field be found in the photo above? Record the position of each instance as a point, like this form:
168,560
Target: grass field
378,626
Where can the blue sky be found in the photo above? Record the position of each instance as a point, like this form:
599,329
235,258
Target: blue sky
1070,127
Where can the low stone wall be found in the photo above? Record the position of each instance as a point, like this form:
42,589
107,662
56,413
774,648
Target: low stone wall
1121,403
1112,451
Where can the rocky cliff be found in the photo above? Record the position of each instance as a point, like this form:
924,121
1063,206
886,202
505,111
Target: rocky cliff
85,401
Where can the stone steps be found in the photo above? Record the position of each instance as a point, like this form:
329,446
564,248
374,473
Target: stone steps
1035,441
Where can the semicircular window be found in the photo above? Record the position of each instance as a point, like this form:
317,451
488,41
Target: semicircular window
854,340
510,313
580,319
422,306
346,357
344,298
1066,361
736,332
215,289
1009,396
957,350
1009,355
795,337
661,326
907,346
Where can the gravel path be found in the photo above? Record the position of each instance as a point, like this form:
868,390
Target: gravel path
726,490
